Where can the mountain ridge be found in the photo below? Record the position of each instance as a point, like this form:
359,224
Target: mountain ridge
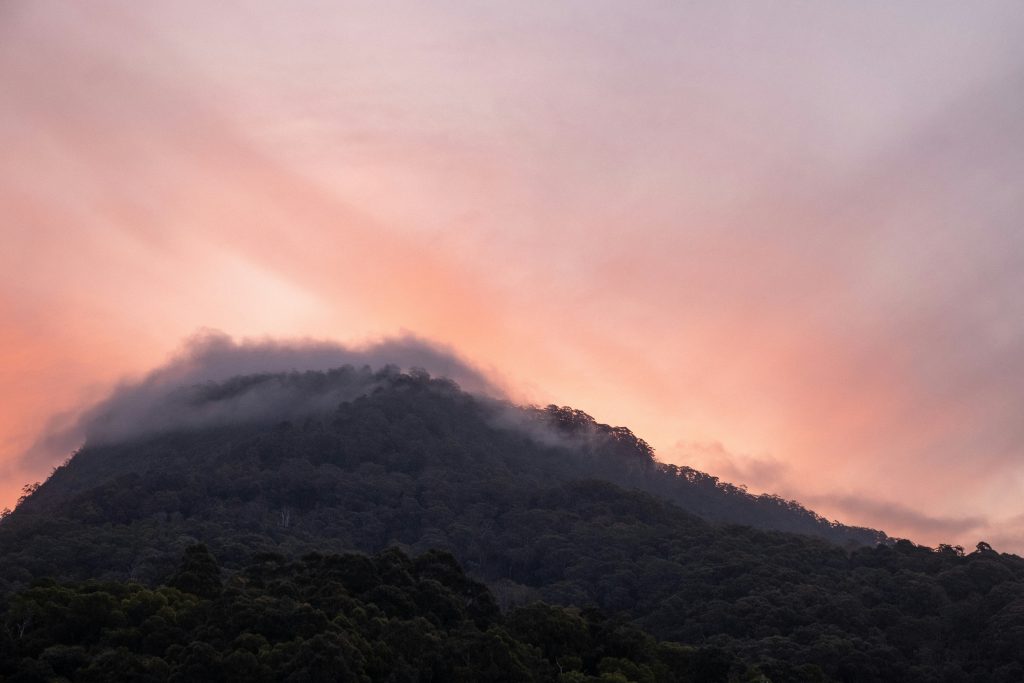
541,504
278,397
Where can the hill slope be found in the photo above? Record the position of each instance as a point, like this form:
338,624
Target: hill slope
538,503
325,618
407,424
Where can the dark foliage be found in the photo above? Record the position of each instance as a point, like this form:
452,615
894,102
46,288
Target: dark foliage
326,618
542,504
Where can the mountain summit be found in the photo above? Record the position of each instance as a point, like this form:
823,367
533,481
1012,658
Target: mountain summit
351,459
538,503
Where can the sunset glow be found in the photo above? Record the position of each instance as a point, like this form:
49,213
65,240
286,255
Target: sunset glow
783,245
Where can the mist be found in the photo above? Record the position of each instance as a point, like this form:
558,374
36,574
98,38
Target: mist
215,380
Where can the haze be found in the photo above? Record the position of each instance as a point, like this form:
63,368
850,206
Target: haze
781,242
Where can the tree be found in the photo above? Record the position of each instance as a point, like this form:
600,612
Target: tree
198,574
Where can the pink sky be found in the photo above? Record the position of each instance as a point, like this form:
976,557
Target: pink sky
782,242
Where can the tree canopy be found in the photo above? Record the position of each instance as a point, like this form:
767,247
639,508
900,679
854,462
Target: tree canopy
565,520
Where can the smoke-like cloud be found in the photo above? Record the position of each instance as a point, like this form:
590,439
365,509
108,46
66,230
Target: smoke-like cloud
768,474
214,379
764,472
911,523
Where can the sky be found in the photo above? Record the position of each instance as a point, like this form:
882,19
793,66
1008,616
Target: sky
781,241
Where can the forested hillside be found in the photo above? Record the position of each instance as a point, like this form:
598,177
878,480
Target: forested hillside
541,505
325,618
399,424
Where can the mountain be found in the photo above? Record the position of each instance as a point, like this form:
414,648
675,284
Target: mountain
541,504
400,459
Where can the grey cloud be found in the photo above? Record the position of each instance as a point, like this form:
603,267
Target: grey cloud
1005,535
217,380
897,516
769,474
761,472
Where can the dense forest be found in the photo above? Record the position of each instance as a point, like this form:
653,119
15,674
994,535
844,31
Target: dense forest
327,618
562,518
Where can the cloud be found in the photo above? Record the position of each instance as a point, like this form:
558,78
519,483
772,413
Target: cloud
898,518
770,475
214,379
792,229
763,473
1005,535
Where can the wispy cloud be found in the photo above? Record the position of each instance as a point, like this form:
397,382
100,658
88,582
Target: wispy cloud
899,519
763,473
189,391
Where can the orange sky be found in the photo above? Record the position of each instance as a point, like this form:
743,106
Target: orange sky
781,244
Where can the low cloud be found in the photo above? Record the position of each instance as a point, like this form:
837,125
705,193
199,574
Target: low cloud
1005,535
214,379
770,475
898,518
762,472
